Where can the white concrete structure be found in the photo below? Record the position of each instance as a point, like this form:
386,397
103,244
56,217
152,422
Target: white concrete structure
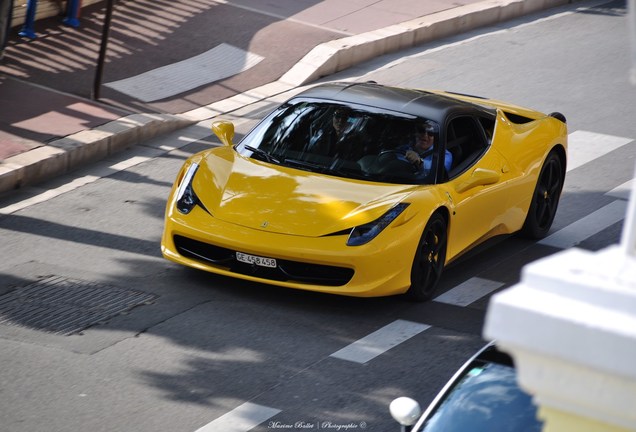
570,325
631,6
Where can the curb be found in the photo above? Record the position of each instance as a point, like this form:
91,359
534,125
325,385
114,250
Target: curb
73,151
338,55
66,154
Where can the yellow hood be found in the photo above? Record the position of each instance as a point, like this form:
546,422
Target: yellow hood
271,198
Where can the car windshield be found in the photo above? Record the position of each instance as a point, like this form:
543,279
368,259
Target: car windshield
346,141
486,399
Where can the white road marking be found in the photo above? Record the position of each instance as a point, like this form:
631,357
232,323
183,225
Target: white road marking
468,292
380,341
586,227
584,147
107,167
100,170
48,194
622,191
220,62
241,419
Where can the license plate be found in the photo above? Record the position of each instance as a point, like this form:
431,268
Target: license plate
253,259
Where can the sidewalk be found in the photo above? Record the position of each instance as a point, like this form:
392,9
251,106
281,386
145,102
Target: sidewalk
48,128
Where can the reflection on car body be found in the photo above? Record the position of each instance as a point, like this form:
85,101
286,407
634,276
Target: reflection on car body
332,187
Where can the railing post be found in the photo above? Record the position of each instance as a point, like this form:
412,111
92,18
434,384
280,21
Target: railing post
6,14
110,4
27,27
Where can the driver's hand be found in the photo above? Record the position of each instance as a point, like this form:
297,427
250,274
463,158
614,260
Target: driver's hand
413,157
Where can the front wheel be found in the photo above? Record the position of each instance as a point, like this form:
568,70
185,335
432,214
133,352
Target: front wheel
429,259
545,199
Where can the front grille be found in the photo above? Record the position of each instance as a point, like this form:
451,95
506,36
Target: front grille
286,270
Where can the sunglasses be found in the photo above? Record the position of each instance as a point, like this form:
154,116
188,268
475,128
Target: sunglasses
426,132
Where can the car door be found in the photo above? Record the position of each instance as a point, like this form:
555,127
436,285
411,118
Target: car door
476,185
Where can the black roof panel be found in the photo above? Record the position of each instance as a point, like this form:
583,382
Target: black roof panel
410,101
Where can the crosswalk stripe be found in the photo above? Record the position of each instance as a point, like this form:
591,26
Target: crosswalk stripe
468,292
241,419
622,191
584,147
380,341
586,227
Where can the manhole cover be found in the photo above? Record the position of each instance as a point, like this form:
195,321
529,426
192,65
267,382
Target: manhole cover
66,306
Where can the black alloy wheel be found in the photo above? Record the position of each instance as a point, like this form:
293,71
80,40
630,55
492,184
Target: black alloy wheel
429,259
545,199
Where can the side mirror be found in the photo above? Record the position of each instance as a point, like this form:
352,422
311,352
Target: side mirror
224,131
479,177
405,411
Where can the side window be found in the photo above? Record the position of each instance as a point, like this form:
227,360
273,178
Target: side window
466,142
488,124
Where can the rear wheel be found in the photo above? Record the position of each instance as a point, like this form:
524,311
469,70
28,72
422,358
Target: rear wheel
545,199
429,259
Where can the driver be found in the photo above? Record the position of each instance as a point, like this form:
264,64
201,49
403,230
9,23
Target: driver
420,153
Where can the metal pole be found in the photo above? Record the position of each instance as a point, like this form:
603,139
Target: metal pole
6,12
102,50
27,28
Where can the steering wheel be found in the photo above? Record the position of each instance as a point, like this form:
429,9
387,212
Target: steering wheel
389,160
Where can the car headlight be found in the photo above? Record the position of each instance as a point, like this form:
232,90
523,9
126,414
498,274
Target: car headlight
186,197
365,233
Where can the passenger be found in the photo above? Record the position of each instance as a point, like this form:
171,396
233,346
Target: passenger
335,140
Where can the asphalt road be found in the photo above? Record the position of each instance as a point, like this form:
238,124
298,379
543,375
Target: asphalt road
202,349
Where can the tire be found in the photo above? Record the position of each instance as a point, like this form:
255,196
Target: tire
557,115
429,259
545,198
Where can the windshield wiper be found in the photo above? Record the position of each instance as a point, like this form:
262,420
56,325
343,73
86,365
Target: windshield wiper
333,170
262,153
346,172
303,164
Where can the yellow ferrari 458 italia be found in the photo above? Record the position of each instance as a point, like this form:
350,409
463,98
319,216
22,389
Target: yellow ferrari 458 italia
366,190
